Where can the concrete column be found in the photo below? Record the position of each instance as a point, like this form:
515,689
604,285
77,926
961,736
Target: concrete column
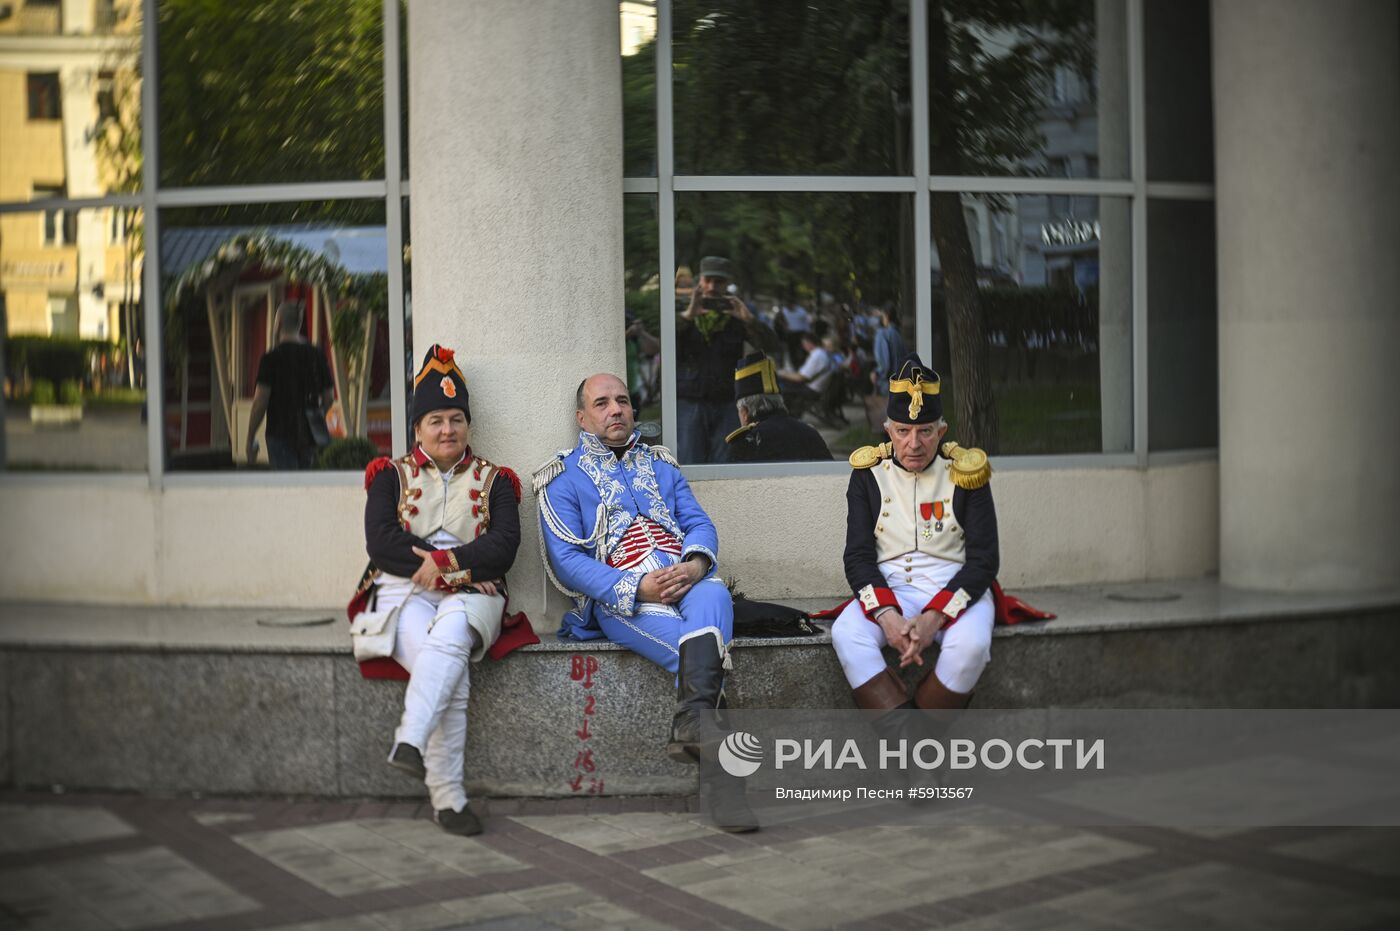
515,154
1307,131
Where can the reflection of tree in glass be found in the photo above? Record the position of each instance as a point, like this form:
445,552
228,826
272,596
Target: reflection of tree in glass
271,91
118,142
991,64
791,87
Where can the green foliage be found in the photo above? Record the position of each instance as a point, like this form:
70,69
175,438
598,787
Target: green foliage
42,392
271,91
53,358
352,452
643,305
70,392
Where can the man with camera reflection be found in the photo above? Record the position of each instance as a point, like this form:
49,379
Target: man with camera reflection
710,337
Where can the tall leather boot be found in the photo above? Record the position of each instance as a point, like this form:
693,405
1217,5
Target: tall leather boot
722,795
723,798
886,692
695,727
932,695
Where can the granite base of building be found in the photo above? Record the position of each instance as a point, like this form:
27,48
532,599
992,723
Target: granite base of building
566,718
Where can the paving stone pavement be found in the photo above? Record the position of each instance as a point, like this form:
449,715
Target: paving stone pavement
79,861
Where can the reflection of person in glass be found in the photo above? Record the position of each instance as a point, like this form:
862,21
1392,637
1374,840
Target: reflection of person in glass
889,349
710,337
294,385
921,556
442,526
767,432
625,538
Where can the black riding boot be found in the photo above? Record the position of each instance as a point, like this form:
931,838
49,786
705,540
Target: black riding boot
696,724
723,799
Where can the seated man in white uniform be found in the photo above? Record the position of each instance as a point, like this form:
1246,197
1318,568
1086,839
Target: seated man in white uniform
921,556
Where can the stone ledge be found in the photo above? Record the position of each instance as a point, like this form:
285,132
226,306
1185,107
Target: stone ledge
1080,609
208,713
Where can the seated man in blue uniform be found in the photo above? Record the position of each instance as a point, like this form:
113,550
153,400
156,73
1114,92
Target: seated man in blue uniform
921,556
626,539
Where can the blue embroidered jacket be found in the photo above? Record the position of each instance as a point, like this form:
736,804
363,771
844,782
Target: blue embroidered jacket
588,498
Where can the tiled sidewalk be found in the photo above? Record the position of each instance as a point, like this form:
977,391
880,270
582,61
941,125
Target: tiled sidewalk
105,861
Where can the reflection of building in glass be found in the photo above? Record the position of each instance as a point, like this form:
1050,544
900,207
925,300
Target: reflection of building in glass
67,83
225,284
638,24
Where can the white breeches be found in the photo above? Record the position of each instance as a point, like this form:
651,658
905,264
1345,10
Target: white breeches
965,648
437,636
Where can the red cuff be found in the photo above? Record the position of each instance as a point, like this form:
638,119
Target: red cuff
948,603
444,561
873,600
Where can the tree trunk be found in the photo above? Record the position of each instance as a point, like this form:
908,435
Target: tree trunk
975,410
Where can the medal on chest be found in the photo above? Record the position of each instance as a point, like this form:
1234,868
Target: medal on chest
932,513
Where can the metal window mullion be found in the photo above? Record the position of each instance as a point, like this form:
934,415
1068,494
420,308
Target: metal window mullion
1174,190
150,265
666,221
1137,145
639,186
1089,187
271,193
778,184
923,224
393,231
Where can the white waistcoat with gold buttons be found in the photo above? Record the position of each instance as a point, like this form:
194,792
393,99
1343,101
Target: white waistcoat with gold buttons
459,507
916,513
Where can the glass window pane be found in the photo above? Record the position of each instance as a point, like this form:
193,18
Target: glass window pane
74,347
1028,89
225,274
70,104
1182,390
637,21
271,92
814,271
1032,322
642,326
1180,140
791,87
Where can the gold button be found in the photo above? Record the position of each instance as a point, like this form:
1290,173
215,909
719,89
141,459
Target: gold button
879,528
908,578
884,513
887,500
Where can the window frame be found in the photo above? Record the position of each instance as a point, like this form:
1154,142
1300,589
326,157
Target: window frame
1135,187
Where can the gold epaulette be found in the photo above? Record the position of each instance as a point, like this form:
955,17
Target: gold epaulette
740,432
968,468
867,456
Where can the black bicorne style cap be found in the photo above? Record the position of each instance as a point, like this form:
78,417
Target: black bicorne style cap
754,374
914,393
438,385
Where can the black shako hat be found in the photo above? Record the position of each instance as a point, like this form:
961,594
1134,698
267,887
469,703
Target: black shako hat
439,384
914,393
754,374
